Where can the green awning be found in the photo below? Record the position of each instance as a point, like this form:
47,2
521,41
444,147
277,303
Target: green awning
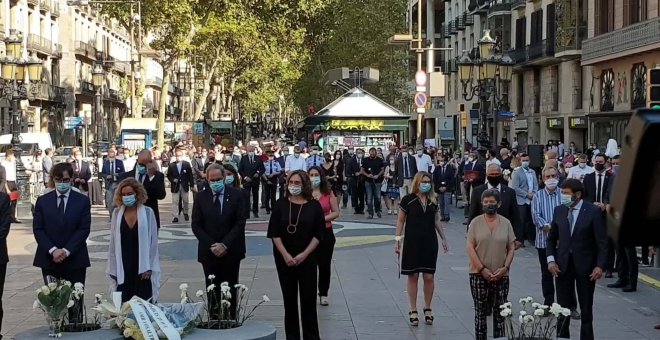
220,124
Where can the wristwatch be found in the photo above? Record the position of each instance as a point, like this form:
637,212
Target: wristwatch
397,238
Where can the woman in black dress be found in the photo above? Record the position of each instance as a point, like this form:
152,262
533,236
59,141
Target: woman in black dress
338,184
296,227
133,261
419,218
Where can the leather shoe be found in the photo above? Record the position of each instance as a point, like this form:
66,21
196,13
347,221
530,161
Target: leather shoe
629,288
617,284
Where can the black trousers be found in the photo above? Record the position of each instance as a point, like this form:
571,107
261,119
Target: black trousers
547,280
567,282
627,266
526,223
225,269
484,291
74,276
12,204
253,189
3,273
350,183
611,254
297,280
324,255
271,193
357,194
466,201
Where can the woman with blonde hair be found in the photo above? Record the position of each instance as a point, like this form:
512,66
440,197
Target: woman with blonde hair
133,262
419,218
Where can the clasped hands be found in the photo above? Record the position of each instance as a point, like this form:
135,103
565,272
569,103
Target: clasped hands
59,255
494,276
219,249
294,261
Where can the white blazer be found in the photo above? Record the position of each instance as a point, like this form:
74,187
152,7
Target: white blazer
148,253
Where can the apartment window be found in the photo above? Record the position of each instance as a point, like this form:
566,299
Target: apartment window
537,27
604,16
555,89
520,83
521,32
537,90
634,11
551,24
577,87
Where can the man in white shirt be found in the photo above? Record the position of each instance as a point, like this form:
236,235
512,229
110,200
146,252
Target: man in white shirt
295,162
490,158
129,162
9,163
578,172
424,162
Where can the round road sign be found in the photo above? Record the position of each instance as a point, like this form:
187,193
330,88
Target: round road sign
420,99
420,78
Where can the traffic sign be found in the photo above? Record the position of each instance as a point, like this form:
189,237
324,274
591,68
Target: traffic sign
72,122
420,78
420,99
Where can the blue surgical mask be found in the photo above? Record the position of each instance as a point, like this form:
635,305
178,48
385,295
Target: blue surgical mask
566,200
142,169
615,169
425,187
525,164
63,187
129,200
295,190
316,181
217,186
229,179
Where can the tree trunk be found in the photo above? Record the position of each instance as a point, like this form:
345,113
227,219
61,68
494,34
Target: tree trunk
230,97
217,107
162,105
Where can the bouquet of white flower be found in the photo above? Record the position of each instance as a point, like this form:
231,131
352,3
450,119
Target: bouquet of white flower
535,321
54,300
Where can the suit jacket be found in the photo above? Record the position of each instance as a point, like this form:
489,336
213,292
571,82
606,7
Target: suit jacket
155,189
474,166
252,170
588,242
589,183
83,173
448,179
508,208
210,225
412,167
70,231
184,179
119,168
5,222
520,185
3,179
351,166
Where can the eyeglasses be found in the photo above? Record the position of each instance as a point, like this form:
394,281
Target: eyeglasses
62,180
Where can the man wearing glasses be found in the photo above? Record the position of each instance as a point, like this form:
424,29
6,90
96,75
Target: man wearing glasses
61,225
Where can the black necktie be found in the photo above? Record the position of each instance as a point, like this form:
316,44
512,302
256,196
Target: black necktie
251,160
60,206
442,174
218,201
406,169
141,179
599,188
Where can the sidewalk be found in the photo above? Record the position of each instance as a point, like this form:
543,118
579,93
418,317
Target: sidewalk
367,300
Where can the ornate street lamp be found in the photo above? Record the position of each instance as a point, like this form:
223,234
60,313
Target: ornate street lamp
98,79
490,83
14,86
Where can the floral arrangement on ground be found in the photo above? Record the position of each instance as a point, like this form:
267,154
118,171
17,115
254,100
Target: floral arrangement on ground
535,321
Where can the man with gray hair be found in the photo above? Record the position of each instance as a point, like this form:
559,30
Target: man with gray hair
218,222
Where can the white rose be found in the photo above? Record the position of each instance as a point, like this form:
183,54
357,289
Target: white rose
45,291
265,298
539,312
98,297
528,318
183,286
70,304
536,305
226,304
505,312
67,283
521,319
210,287
78,286
211,277
224,284
565,312
52,285
224,289
199,293
523,313
529,299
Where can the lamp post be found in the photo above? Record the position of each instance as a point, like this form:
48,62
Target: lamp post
493,74
98,79
16,72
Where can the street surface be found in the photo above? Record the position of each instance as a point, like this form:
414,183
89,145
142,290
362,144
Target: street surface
367,299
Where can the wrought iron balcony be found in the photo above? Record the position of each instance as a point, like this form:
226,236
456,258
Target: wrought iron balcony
39,44
460,24
635,38
87,87
453,28
541,49
468,19
444,30
518,3
568,44
519,55
499,7
50,92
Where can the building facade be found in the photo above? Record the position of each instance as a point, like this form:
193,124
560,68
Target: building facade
623,43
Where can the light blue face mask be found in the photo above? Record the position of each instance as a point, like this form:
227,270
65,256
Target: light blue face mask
217,186
566,200
425,187
129,200
229,179
63,187
316,181
142,169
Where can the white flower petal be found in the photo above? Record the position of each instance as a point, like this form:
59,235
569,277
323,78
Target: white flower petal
265,298
199,293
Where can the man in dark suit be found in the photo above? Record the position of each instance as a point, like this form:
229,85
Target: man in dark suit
472,164
351,173
218,222
250,168
406,162
577,228
5,222
508,207
146,172
281,179
180,175
444,180
81,173
110,172
596,191
61,225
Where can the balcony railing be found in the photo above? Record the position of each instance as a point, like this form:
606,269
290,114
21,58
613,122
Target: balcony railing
44,5
540,49
50,92
453,28
460,24
499,7
40,44
518,3
635,36
449,66
80,47
55,9
468,19
33,2
87,87
570,39
2,31
154,81
519,55
445,31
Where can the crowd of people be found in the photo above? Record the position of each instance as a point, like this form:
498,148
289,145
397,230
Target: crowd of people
507,203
